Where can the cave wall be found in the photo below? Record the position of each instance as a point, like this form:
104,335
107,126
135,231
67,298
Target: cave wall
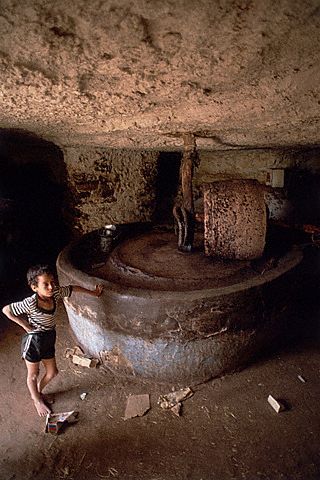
57,193
301,176
123,186
253,163
95,186
109,186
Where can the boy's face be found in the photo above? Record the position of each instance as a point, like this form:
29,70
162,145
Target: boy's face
45,286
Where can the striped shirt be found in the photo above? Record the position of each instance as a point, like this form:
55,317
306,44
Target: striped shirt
41,320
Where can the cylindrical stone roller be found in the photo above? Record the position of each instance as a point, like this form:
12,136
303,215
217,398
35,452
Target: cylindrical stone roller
235,219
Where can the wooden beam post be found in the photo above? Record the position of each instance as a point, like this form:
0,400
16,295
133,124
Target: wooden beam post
184,213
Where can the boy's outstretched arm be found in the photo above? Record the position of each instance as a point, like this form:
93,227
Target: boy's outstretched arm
95,293
19,320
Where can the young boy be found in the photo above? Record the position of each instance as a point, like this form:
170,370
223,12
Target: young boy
38,344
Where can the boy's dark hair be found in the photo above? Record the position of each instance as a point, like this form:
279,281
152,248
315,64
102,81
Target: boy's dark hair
37,270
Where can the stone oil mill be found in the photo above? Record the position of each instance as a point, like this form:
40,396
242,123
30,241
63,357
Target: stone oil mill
184,305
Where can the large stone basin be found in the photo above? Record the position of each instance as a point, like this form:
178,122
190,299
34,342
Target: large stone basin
172,317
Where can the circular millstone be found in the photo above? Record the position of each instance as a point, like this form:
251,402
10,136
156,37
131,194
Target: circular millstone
152,261
172,317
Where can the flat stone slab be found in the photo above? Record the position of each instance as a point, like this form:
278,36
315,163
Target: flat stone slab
137,406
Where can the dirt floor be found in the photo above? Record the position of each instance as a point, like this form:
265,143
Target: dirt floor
227,429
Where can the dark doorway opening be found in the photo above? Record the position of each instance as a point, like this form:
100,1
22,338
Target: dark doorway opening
32,194
166,187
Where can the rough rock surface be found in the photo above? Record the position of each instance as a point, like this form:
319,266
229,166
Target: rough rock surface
114,186
237,73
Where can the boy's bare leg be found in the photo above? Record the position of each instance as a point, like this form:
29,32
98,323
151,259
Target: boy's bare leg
33,372
51,371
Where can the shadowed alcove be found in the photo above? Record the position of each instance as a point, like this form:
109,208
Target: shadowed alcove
33,192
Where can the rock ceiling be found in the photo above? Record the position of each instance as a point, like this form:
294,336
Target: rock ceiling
137,74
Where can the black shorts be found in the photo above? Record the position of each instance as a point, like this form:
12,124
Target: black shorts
38,346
